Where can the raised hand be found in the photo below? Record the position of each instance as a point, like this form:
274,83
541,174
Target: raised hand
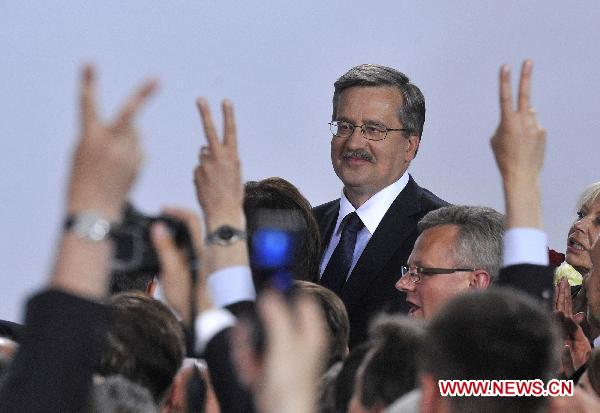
519,140
518,144
105,162
218,176
592,287
108,155
296,345
175,275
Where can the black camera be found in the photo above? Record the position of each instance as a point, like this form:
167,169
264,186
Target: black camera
134,252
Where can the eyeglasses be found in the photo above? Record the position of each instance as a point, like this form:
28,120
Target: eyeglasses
415,274
370,131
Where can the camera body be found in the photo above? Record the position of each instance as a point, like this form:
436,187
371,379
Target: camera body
134,252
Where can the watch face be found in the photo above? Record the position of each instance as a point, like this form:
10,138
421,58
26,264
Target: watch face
226,233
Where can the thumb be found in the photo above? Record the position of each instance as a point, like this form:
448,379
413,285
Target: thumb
579,317
168,254
567,361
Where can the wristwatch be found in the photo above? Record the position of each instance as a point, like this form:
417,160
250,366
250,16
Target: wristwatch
89,225
225,235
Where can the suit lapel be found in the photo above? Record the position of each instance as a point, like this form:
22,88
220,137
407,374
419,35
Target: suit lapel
327,224
393,229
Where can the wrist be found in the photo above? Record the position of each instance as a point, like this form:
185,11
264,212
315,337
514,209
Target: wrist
112,211
234,219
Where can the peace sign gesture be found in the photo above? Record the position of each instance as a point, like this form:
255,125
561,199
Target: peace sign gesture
518,146
108,154
519,141
218,175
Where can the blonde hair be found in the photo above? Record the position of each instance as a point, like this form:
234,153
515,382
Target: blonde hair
589,195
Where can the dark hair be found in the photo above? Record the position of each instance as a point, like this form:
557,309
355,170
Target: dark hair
335,315
412,112
494,334
145,342
390,368
134,281
479,240
344,383
277,193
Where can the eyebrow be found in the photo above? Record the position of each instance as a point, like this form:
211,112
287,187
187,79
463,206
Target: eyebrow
367,122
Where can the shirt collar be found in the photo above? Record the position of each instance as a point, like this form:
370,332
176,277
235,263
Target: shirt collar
371,212
597,342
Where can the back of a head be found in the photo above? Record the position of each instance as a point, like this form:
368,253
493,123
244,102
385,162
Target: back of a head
145,343
116,394
479,239
494,334
132,281
279,194
412,113
390,368
335,315
593,370
344,383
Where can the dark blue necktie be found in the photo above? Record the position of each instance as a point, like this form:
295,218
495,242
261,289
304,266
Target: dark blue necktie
336,272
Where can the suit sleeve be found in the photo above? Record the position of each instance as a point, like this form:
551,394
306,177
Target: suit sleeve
52,371
532,279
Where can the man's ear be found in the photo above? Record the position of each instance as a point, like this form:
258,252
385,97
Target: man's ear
413,147
151,288
480,279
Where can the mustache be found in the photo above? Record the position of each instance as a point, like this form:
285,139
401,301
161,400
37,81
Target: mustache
360,154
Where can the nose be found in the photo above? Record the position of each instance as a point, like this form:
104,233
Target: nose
356,140
582,224
405,284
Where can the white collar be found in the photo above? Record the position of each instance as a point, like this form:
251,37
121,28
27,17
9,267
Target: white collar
372,211
597,342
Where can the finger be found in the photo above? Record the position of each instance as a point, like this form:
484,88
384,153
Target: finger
277,320
192,222
525,86
134,103
556,294
87,96
168,254
564,294
229,129
579,317
505,93
567,361
209,127
568,303
311,323
560,301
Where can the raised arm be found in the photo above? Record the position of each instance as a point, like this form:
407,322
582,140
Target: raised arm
518,145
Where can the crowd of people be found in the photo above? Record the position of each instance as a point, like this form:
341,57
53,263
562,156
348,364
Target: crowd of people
367,303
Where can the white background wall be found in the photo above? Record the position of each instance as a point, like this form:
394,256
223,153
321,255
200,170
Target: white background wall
277,61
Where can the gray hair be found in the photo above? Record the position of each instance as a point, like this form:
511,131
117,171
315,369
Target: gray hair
589,195
479,239
412,112
116,394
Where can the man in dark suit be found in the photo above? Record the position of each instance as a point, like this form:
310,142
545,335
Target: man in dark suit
369,232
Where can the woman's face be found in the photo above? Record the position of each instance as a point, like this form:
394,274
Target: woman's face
582,235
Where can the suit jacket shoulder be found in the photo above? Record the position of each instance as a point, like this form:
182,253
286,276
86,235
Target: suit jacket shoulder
534,280
370,287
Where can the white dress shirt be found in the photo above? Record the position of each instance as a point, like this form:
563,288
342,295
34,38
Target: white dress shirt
525,246
370,213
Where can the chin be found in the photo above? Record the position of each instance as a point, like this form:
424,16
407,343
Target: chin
581,265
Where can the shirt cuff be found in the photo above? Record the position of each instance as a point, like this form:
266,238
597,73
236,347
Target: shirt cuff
209,324
231,285
525,246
